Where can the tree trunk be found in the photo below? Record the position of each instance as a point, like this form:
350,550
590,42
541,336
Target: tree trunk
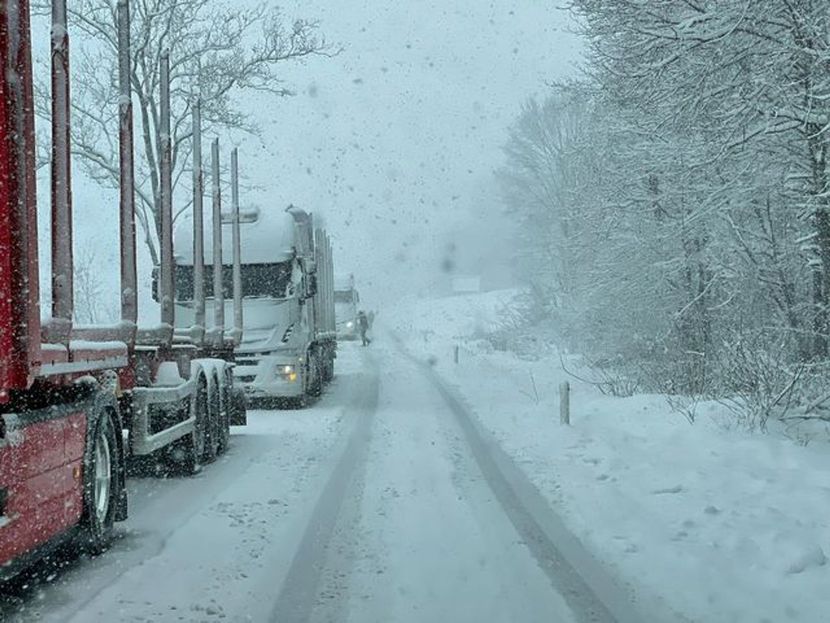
821,222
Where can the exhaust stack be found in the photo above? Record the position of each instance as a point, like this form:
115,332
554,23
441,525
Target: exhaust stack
237,250
166,278
198,224
62,282
129,280
218,292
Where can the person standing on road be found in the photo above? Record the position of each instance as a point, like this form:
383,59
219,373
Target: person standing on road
363,327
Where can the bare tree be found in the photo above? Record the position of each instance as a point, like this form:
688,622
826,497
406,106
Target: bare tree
217,51
90,305
683,224
542,154
750,78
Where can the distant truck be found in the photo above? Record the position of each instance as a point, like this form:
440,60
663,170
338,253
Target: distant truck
288,345
346,299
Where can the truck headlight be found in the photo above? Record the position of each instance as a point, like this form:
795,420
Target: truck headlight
349,324
288,372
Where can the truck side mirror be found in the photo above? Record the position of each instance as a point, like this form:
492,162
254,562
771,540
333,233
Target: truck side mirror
312,286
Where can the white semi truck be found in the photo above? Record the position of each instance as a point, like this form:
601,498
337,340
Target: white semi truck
288,344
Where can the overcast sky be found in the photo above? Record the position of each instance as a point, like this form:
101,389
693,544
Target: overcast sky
394,140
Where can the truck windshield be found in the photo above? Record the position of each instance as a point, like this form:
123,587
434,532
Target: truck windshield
258,280
343,296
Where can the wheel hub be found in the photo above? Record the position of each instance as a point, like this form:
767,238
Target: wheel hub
103,474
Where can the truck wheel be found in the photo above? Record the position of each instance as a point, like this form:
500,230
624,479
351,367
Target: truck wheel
226,413
214,422
185,456
102,486
202,426
239,412
304,398
186,453
315,388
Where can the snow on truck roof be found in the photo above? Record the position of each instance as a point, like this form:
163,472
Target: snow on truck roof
267,237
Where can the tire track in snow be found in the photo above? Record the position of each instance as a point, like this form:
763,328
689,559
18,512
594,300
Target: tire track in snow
588,589
298,595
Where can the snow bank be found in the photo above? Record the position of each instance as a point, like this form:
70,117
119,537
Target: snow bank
720,524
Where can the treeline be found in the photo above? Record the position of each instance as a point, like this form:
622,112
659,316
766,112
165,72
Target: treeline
674,204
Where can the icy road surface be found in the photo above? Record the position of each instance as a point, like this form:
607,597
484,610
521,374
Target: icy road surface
383,502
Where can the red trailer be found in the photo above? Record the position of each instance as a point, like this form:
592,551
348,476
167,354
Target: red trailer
61,451
77,402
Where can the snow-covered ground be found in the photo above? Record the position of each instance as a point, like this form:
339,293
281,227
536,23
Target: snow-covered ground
380,503
430,542
718,523
412,493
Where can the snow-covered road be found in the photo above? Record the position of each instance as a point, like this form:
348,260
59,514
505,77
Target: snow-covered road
386,501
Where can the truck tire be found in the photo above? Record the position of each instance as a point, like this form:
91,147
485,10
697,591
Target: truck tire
226,396
213,421
102,485
202,427
304,398
186,453
239,414
315,384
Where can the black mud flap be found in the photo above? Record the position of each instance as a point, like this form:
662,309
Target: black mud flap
239,407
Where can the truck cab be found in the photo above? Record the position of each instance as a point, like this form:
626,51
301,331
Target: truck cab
285,350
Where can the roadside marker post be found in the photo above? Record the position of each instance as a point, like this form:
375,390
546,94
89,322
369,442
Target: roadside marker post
565,404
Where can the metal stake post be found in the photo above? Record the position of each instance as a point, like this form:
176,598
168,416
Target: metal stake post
237,249
198,221
218,291
166,282
565,404
129,279
62,282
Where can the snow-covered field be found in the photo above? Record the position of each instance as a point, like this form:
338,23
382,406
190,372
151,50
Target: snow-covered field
719,523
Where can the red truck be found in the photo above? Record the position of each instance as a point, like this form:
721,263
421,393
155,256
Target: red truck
77,402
